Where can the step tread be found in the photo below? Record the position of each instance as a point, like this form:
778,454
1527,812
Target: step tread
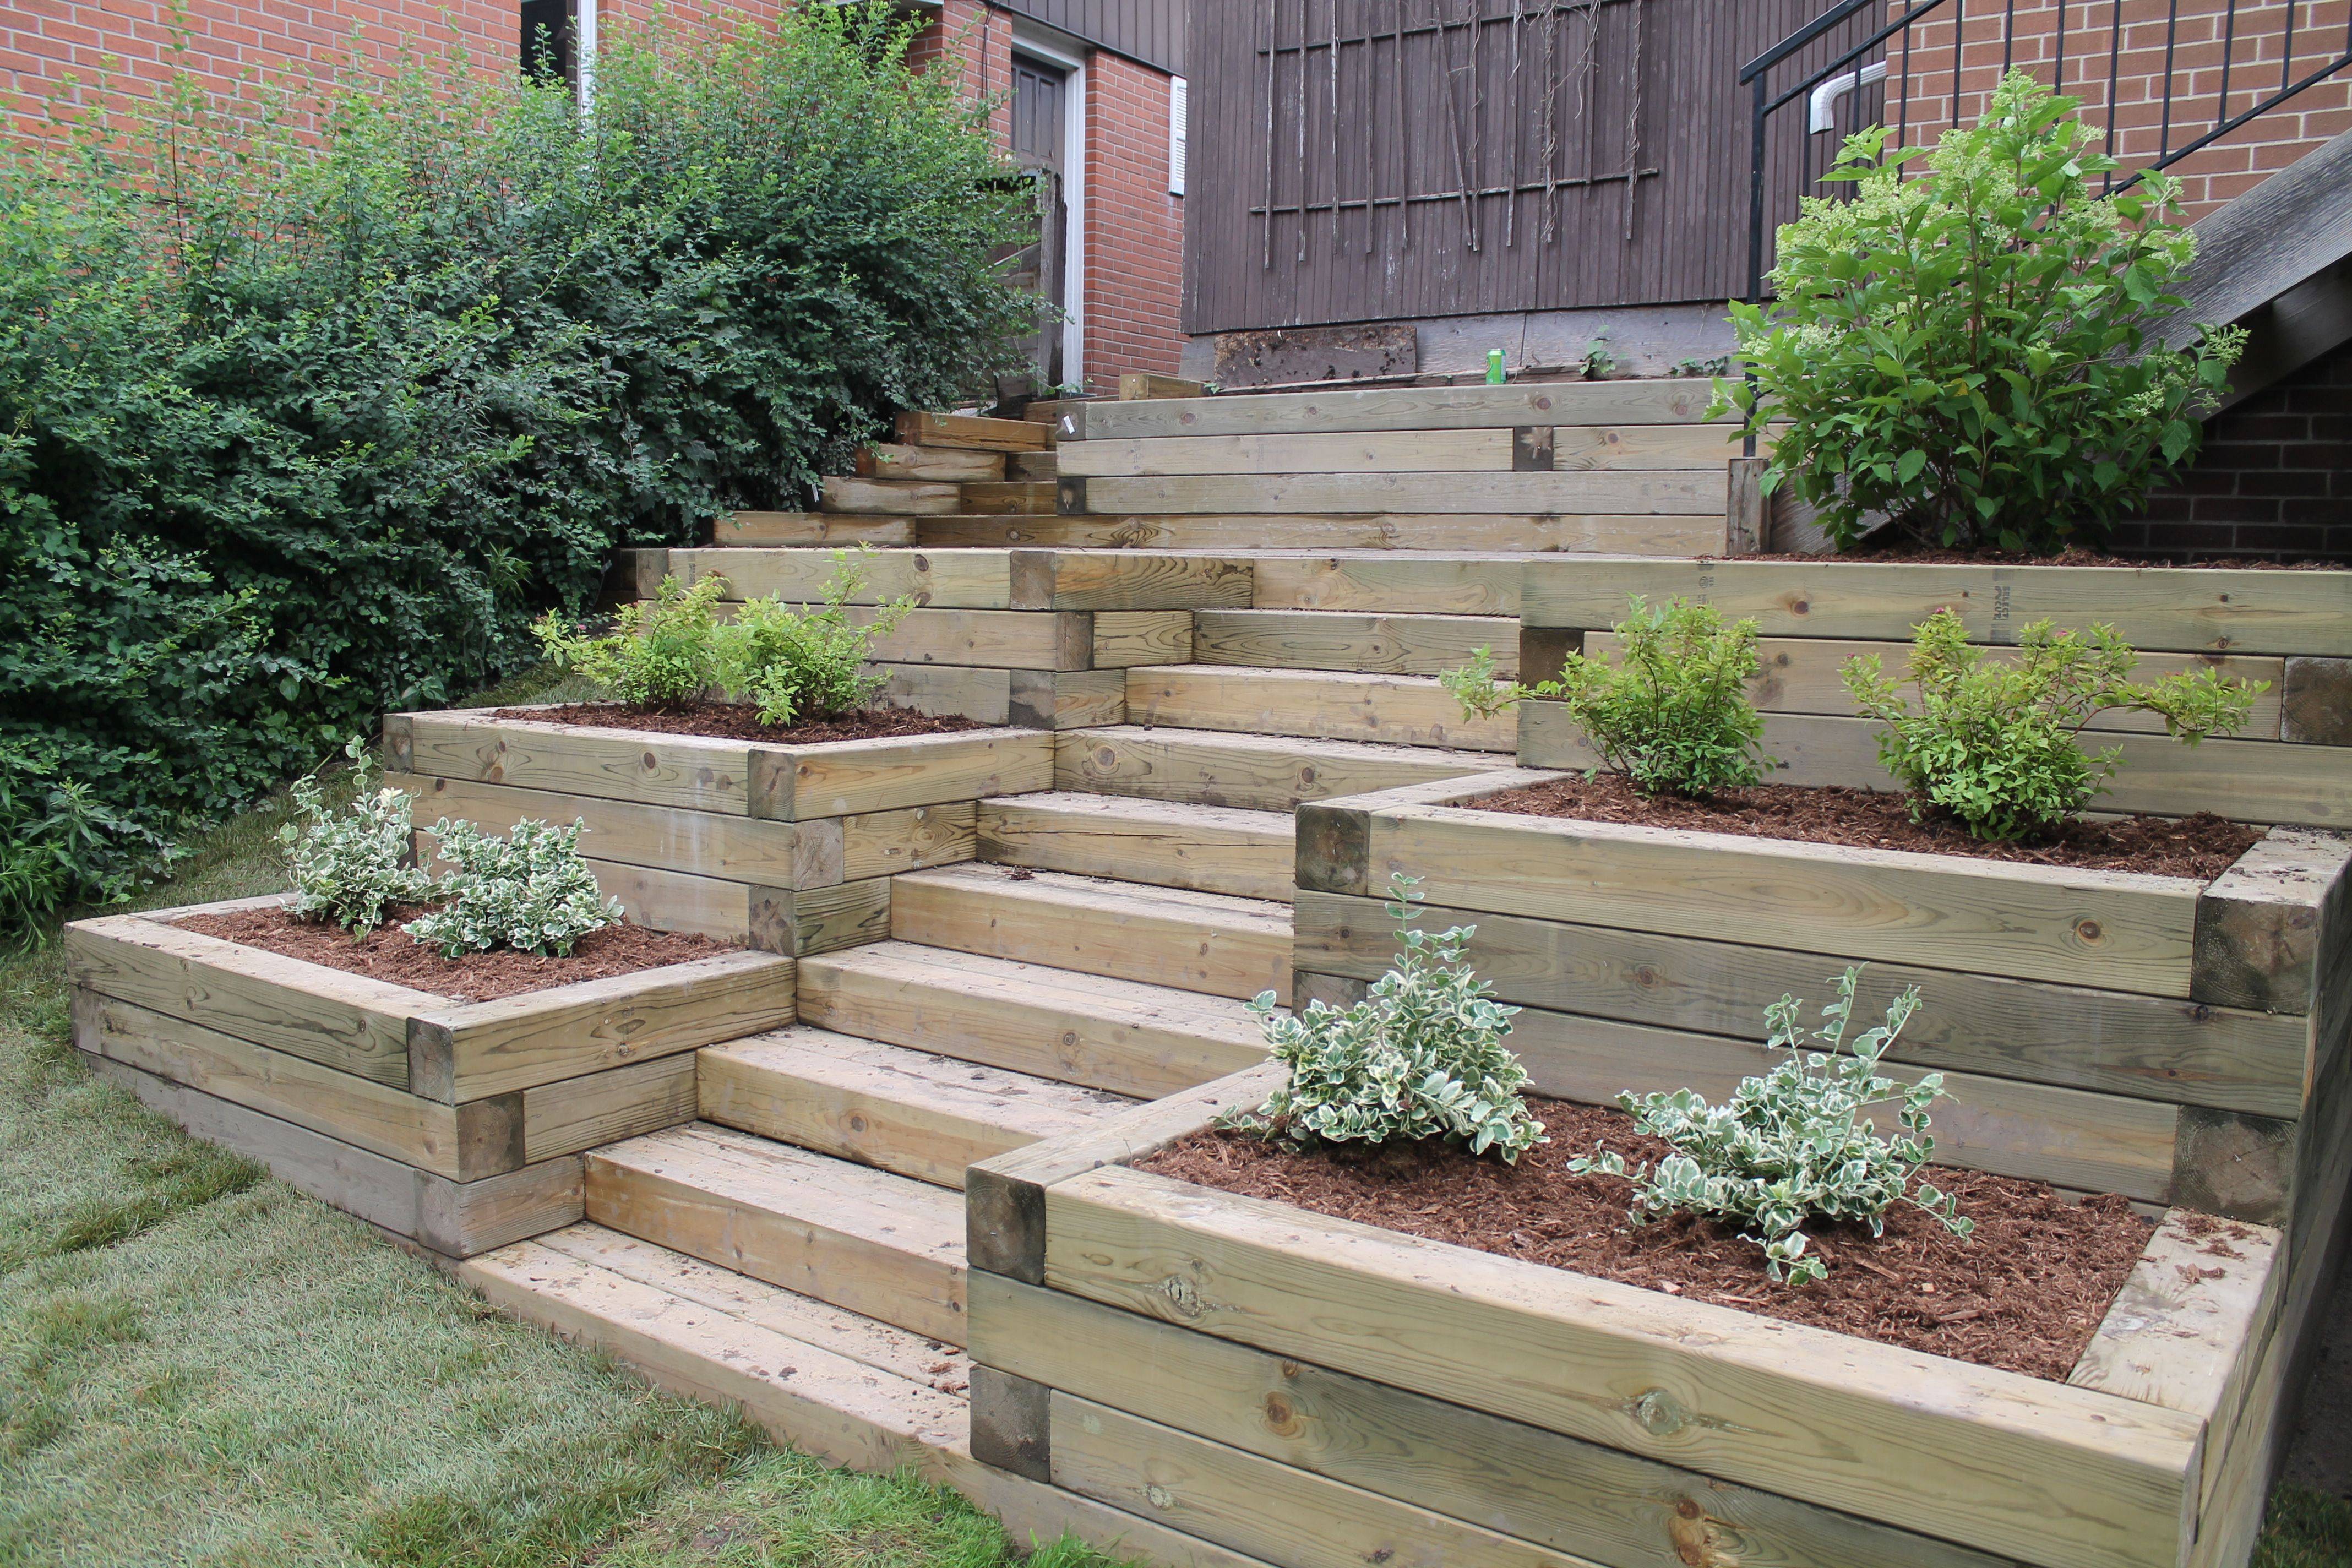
1332,704
1243,768
897,1109
1217,943
1086,805
1210,849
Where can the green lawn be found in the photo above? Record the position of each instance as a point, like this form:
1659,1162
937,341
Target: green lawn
201,1366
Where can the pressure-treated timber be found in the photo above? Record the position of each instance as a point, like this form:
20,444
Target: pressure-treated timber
1126,638
1424,452
1407,533
1020,699
2156,608
1401,408
898,1110
577,1114
1378,644
941,579
872,1242
1029,497
845,777
1211,849
891,460
2317,707
1336,705
1209,943
1387,582
974,432
1669,493
1141,383
1257,772
694,772
2067,1477
1142,1041
890,498
810,528
1133,580
996,639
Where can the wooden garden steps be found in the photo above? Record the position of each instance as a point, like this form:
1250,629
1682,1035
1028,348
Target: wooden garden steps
1119,1035
866,1240
1257,772
1350,641
1336,705
1209,943
1207,848
897,1110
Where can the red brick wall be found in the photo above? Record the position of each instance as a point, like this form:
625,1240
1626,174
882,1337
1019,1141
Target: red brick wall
1135,226
2275,478
2255,45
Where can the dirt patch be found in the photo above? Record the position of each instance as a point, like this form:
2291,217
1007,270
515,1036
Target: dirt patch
740,722
2025,1293
1929,555
2201,846
390,953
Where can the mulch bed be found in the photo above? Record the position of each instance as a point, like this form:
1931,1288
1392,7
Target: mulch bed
1936,555
740,722
2026,1293
2201,846
390,953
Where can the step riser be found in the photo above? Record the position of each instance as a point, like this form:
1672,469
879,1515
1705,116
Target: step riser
1187,953
1251,772
1383,645
1243,863
1340,708
870,1129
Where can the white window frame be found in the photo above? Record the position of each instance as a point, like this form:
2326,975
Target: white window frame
1074,195
1179,104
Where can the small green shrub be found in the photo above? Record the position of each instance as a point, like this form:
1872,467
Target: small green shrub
1796,1143
348,866
1968,354
1672,713
529,890
661,653
804,663
1996,741
1421,1056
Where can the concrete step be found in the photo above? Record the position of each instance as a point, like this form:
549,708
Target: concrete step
1119,1035
1210,942
902,1110
1208,848
1332,705
1346,639
1255,772
869,1241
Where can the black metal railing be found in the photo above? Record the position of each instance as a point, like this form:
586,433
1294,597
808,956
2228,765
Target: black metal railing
2149,67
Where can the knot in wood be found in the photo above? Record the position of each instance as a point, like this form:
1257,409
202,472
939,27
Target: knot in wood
1281,1416
1659,1413
1182,1295
1158,1496
2088,930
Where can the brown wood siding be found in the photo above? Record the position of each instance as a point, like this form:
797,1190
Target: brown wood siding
1660,97
1152,31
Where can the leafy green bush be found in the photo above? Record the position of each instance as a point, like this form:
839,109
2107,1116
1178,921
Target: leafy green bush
1796,1143
529,890
308,413
1967,353
1672,714
1995,741
660,653
348,866
1421,1056
804,662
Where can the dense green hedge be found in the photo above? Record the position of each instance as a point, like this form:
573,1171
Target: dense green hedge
306,416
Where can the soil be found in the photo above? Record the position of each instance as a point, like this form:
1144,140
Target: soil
2025,1293
390,953
2202,846
740,722
1934,555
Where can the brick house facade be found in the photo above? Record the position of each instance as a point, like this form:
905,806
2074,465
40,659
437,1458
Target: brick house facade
1124,254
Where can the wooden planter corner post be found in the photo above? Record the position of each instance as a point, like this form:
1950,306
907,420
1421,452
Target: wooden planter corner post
790,848
458,1125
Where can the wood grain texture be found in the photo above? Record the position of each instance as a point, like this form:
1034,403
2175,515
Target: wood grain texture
1388,582
2156,608
940,579
812,528
1338,705
1441,534
846,778
1325,639
576,1114
1021,699
889,498
2062,1476
987,639
691,772
1257,772
2265,927
1407,451
2113,1042
1209,849
974,432
2133,932
1401,408
1125,638
1026,497
1670,493
724,845
1141,580
891,460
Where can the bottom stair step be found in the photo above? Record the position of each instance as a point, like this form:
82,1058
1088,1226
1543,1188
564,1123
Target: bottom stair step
885,1246
923,1116
844,1387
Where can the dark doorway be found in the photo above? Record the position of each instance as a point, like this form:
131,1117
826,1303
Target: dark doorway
547,39
1040,103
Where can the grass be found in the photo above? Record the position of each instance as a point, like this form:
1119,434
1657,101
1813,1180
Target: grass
200,1366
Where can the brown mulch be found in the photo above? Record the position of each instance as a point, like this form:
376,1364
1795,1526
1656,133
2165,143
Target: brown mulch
2202,846
390,953
1936,555
740,722
2025,1293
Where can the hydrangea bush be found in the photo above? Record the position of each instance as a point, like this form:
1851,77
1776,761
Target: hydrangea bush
350,865
1421,1056
529,890
1996,741
1797,1143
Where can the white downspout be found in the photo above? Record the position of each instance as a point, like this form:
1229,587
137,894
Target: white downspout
583,49
1821,109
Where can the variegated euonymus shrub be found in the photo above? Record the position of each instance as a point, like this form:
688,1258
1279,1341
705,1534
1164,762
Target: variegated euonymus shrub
350,865
1421,1056
529,890
1795,1143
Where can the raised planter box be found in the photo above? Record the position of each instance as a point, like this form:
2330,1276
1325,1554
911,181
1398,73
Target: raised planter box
790,848
2292,763
1321,1393
458,1124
